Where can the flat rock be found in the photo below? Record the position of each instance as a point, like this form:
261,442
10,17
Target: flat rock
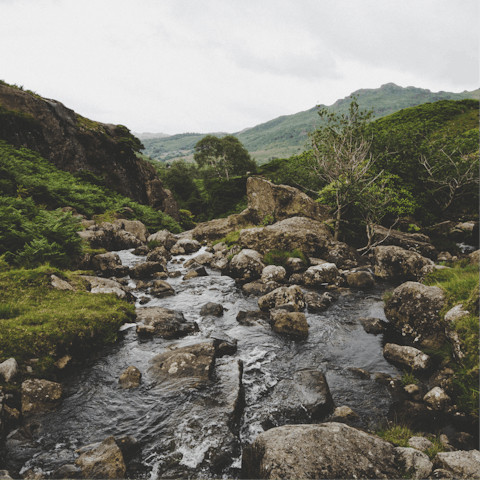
420,443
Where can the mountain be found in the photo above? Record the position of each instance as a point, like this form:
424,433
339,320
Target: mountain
288,135
148,135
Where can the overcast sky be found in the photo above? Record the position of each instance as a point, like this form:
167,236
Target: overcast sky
177,66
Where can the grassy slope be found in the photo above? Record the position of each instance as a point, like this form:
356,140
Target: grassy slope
287,135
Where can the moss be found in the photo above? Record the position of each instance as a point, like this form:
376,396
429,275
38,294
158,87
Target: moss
280,257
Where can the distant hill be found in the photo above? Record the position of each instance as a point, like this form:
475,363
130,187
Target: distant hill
148,135
287,135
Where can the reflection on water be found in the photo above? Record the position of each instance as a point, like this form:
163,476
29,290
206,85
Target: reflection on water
180,428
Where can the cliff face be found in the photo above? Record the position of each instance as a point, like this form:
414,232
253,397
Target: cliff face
74,143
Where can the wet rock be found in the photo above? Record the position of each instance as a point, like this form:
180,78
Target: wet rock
318,303
146,270
145,330
414,462
273,273
247,265
283,296
282,201
373,325
142,250
198,272
210,308
193,363
204,258
383,378
360,279
185,245
161,289
414,309
40,396
105,263
128,445
259,288
407,357
292,323
164,239
159,255
176,273
420,443
67,471
460,464
343,414
60,284
8,369
224,345
106,285
307,235
360,372
343,255
144,300
396,263
437,399
321,274
327,450
166,323
104,460
250,317
130,378
219,261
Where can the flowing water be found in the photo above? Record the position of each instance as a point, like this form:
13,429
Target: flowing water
176,425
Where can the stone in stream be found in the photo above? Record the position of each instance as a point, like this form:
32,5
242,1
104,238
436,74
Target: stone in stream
130,378
159,255
40,396
250,317
185,245
164,239
273,273
224,345
321,274
317,303
292,323
166,323
198,272
327,450
283,296
211,308
146,269
247,265
360,279
407,357
259,288
161,289
373,325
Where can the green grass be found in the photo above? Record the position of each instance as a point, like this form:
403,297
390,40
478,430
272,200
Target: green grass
409,379
37,321
279,257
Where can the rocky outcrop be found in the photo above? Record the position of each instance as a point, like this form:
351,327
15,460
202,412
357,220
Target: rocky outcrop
75,144
328,450
414,309
281,201
307,235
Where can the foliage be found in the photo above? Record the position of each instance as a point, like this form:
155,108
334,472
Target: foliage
153,244
225,156
41,322
408,378
124,136
280,257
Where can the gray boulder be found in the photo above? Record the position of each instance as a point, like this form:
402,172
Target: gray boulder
414,462
328,450
407,357
321,274
247,265
462,464
166,323
40,396
283,297
292,323
164,239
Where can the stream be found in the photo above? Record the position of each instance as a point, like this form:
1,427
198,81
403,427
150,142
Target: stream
177,426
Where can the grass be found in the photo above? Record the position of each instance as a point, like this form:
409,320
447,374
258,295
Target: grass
37,321
280,257
409,379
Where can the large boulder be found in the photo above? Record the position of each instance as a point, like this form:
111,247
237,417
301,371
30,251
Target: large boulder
164,239
283,297
106,263
414,462
166,323
106,285
273,273
321,274
415,242
414,309
463,464
104,460
40,396
281,201
159,255
396,263
328,450
343,255
135,227
307,235
247,265
185,246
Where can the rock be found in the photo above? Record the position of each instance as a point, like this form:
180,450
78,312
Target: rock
344,414
204,258
128,445
210,308
360,372
105,285
223,344
142,250
321,274
309,236
130,378
219,261
292,296
360,279
327,450
414,242
413,391
67,471
420,443
145,330
474,257
250,317
437,399
166,323
461,464
462,441
294,265
40,396
60,284
161,289
456,313
198,272
185,246
444,257
296,279
373,325
8,369
104,460
247,265
259,288
407,357
164,238
146,270
317,303
124,240
396,263
414,309
193,363
292,323
305,397
342,255
159,255
105,263
63,362
273,273
414,462
412,413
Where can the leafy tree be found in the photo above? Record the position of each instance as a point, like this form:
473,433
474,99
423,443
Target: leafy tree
225,156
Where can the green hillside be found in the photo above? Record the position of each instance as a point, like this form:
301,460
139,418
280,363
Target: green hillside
285,136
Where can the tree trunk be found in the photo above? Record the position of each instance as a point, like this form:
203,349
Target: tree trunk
337,225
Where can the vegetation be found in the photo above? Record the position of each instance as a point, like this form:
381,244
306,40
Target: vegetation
280,257
38,322
408,378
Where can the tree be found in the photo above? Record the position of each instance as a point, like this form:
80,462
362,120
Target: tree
225,156
342,157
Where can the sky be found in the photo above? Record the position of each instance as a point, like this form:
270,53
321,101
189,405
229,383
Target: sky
176,66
